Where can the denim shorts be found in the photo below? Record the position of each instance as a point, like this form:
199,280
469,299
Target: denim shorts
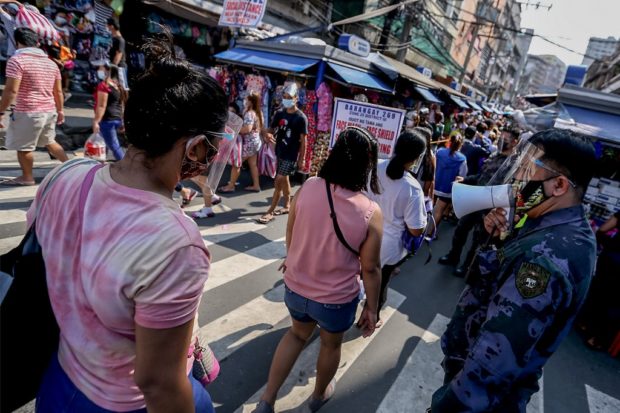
333,318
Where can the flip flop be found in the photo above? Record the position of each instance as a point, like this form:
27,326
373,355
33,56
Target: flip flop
215,200
281,211
222,190
186,201
263,220
316,404
15,182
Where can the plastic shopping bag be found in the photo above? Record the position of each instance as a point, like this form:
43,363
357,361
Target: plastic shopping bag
95,148
267,160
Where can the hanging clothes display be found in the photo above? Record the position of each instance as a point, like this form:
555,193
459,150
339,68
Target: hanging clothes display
325,107
309,111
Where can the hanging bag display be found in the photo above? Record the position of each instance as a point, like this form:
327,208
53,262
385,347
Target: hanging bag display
28,329
29,17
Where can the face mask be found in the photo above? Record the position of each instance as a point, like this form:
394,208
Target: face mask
191,168
288,103
530,194
100,74
60,21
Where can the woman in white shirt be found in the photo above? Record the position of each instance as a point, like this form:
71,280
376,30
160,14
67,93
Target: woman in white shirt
401,199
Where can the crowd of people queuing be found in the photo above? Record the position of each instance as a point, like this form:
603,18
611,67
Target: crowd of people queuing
127,313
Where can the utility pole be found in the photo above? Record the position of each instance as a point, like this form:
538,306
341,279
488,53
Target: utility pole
387,25
470,49
405,35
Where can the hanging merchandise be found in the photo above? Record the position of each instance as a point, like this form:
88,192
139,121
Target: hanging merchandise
311,137
325,108
321,152
29,17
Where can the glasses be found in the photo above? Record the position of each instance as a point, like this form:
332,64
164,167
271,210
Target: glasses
542,165
211,149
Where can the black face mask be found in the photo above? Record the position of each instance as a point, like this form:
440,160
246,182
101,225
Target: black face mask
530,195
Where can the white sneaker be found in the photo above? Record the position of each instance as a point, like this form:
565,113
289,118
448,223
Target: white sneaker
205,212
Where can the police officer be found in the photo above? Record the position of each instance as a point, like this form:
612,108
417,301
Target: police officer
524,296
508,142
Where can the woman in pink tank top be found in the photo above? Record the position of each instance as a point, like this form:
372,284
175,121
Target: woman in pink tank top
322,270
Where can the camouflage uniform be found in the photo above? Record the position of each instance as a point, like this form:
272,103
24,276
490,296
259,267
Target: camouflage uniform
517,308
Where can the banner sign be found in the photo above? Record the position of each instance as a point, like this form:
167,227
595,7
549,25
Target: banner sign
382,122
242,13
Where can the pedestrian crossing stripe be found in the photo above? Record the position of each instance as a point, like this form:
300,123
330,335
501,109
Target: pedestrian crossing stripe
599,402
293,394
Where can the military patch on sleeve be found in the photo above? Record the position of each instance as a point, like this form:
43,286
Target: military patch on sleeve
532,280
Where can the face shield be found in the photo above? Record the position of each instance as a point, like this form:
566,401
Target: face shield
225,142
525,172
415,168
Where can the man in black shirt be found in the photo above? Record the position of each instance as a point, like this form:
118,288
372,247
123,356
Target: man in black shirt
117,51
290,127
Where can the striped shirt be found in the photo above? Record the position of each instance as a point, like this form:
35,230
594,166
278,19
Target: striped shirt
37,74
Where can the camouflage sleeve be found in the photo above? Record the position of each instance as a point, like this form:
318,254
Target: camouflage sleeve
469,314
504,351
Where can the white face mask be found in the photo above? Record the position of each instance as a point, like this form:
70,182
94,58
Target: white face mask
60,21
288,103
100,74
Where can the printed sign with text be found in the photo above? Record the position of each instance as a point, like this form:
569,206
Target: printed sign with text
242,13
384,123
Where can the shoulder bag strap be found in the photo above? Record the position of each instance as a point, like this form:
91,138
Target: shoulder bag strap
339,233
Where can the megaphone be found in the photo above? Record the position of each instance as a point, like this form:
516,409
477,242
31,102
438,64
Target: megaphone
467,198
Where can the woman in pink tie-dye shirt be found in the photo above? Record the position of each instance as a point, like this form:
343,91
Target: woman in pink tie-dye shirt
125,282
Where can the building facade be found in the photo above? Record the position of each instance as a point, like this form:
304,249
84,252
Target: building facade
543,74
604,75
599,48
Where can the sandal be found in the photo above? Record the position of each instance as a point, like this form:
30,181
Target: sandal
263,407
186,201
266,219
316,404
215,200
205,212
15,182
281,211
224,190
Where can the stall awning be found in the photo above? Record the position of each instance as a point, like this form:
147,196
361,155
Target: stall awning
427,95
459,102
597,124
199,12
354,77
474,105
266,60
486,108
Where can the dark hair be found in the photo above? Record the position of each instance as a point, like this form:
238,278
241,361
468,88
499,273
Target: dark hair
426,133
409,147
456,142
114,74
570,153
482,127
171,100
352,161
114,23
514,132
470,132
26,37
254,100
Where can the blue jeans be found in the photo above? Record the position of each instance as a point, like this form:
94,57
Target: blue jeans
107,129
333,318
59,394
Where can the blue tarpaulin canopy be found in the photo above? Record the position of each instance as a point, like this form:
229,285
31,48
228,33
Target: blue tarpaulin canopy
474,105
427,95
459,102
266,60
594,123
354,77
